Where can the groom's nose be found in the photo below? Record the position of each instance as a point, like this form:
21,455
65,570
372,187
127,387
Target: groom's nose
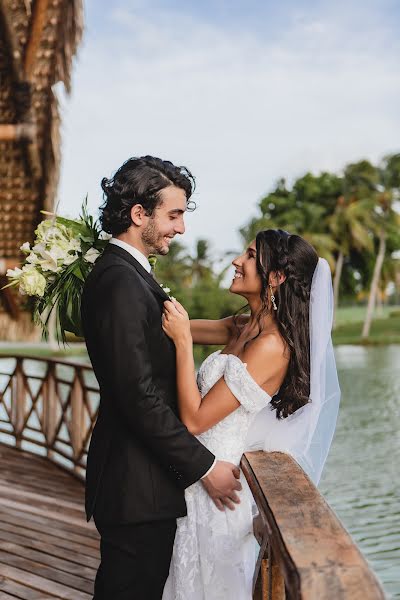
179,226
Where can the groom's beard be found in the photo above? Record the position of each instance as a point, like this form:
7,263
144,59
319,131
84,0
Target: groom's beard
154,240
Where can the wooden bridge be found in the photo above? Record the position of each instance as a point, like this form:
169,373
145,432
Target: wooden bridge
47,550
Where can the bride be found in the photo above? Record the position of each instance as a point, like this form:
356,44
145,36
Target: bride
273,386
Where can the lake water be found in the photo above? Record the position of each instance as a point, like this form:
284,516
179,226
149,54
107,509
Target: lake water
362,476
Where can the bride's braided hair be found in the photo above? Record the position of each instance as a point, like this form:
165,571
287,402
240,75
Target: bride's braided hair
281,252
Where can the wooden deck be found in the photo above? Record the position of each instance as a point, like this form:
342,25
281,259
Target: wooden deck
47,550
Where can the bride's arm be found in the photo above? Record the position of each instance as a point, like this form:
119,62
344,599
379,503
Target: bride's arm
200,414
218,331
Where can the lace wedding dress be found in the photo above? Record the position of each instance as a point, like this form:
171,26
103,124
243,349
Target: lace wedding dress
215,552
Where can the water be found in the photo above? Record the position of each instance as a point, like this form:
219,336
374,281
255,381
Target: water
362,476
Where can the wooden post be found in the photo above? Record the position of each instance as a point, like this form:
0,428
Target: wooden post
18,131
270,583
18,402
50,408
39,19
77,415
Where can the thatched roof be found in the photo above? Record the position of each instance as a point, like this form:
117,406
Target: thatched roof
37,43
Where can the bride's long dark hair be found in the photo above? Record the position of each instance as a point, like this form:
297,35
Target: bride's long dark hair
289,254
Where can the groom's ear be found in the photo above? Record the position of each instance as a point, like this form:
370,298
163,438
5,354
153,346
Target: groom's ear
138,214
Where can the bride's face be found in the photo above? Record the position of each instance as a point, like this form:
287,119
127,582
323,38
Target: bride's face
246,280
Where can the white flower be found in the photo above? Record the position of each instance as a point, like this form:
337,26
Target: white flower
50,259
105,236
38,248
25,247
167,291
32,258
32,282
14,273
91,255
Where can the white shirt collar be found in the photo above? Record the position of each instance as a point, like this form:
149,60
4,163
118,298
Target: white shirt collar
140,257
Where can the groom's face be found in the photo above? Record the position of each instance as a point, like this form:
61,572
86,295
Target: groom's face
166,221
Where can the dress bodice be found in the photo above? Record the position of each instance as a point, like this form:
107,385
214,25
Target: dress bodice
227,438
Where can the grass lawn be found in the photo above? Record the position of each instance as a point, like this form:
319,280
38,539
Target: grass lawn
385,328
356,314
43,350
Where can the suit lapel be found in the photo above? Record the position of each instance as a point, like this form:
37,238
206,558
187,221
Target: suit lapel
157,289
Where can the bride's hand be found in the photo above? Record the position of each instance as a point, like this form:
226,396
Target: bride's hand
175,322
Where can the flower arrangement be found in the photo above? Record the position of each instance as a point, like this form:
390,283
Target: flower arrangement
55,269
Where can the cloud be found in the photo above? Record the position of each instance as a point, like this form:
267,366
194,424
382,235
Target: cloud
239,106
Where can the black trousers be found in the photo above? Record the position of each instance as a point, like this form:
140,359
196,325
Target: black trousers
135,560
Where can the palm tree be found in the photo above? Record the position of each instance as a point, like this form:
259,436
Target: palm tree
350,226
201,267
387,221
352,222
302,210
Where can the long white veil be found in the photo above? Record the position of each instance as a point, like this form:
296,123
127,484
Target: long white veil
308,433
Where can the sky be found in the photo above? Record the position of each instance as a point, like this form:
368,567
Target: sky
241,92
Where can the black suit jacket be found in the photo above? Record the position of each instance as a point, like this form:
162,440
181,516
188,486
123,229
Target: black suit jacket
141,456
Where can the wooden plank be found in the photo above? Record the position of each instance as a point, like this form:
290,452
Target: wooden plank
4,596
51,573
52,528
74,509
32,483
41,583
58,516
16,132
50,560
72,555
21,591
84,535
62,544
318,557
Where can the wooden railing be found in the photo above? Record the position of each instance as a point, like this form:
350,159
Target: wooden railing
50,407
305,552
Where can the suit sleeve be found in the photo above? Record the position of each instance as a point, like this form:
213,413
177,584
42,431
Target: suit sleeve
121,327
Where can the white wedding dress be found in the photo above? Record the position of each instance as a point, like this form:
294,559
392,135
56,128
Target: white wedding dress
215,552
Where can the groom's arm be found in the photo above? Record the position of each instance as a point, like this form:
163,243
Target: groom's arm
121,319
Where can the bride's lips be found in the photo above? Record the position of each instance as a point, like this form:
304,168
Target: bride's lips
237,275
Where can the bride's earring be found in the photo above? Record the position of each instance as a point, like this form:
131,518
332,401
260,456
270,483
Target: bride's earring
273,298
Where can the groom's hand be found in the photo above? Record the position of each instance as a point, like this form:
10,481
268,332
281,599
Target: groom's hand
222,483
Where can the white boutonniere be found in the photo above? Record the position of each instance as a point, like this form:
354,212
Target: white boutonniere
168,292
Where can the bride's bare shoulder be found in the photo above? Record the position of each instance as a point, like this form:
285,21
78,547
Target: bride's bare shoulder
267,354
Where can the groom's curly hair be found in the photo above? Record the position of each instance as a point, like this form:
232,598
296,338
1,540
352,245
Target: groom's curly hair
140,181
281,252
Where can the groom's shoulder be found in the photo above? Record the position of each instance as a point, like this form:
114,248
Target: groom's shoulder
111,269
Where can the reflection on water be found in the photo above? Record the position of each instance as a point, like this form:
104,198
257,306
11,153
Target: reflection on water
361,479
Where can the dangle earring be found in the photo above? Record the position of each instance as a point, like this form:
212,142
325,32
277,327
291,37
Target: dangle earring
273,298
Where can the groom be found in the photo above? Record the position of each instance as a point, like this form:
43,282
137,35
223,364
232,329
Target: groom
141,457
